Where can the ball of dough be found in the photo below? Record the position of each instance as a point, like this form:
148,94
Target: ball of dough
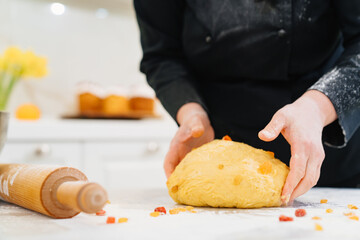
228,174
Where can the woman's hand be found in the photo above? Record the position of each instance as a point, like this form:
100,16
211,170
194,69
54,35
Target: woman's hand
301,123
194,131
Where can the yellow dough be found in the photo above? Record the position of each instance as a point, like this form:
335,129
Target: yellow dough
228,174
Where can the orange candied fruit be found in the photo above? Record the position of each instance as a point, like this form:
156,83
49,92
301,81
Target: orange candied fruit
318,227
154,214
265,168
182,209
189,208
271,154
316,218
329,210
323,201
350,206
122,220
101,213
108,202
356,218
28,112
349,214
237,180
110,220
227,138
175,188
174,211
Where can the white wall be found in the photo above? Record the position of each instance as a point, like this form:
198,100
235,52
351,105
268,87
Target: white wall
79,46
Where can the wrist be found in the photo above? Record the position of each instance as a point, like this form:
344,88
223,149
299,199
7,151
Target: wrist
189,110
323,104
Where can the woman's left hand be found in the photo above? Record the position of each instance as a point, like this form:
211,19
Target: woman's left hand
301,123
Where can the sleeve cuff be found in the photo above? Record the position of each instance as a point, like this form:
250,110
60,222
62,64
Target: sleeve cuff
175,94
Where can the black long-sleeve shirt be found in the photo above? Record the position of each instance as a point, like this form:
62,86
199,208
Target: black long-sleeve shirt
290,43
283,47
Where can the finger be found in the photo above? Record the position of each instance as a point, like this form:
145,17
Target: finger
273,129
171,161
312,175
298,162
194,129
197,131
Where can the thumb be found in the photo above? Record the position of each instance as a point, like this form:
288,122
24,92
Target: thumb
273,129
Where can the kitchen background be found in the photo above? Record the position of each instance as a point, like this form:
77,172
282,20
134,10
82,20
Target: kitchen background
93,40
83,40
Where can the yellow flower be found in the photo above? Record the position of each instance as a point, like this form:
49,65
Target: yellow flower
25,64
14,65
33,66
1,64
12,58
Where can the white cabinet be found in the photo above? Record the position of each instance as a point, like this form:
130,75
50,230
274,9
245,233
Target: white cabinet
40,152
117,154
126,164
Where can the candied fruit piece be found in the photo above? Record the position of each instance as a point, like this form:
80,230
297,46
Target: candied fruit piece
101,213
189,208
284,218
271,154
300,212
318,227
108,202
316,218
323,201
154,214
265,168
329,210
237,180
356,218
174,211
181,209
160,210
122,220
227,138
110,220
193,211
349,214
220,166
350,206
175,188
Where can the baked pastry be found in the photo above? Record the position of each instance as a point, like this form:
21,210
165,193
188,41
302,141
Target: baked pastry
143,99
89,99
114,105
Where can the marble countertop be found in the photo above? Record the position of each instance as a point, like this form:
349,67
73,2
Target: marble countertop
206,223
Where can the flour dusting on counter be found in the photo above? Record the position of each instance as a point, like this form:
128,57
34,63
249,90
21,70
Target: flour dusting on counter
207,223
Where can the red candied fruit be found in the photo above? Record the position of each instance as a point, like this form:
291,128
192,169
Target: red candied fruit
110,220
284,218
160,210
101,213
300,212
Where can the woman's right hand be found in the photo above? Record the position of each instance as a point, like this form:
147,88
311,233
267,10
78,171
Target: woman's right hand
195,130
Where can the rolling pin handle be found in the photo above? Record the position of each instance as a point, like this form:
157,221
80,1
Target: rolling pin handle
82,196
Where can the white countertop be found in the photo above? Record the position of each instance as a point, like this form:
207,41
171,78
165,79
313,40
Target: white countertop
70,129
207,223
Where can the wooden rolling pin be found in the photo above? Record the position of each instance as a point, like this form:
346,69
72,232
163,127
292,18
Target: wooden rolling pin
59,192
